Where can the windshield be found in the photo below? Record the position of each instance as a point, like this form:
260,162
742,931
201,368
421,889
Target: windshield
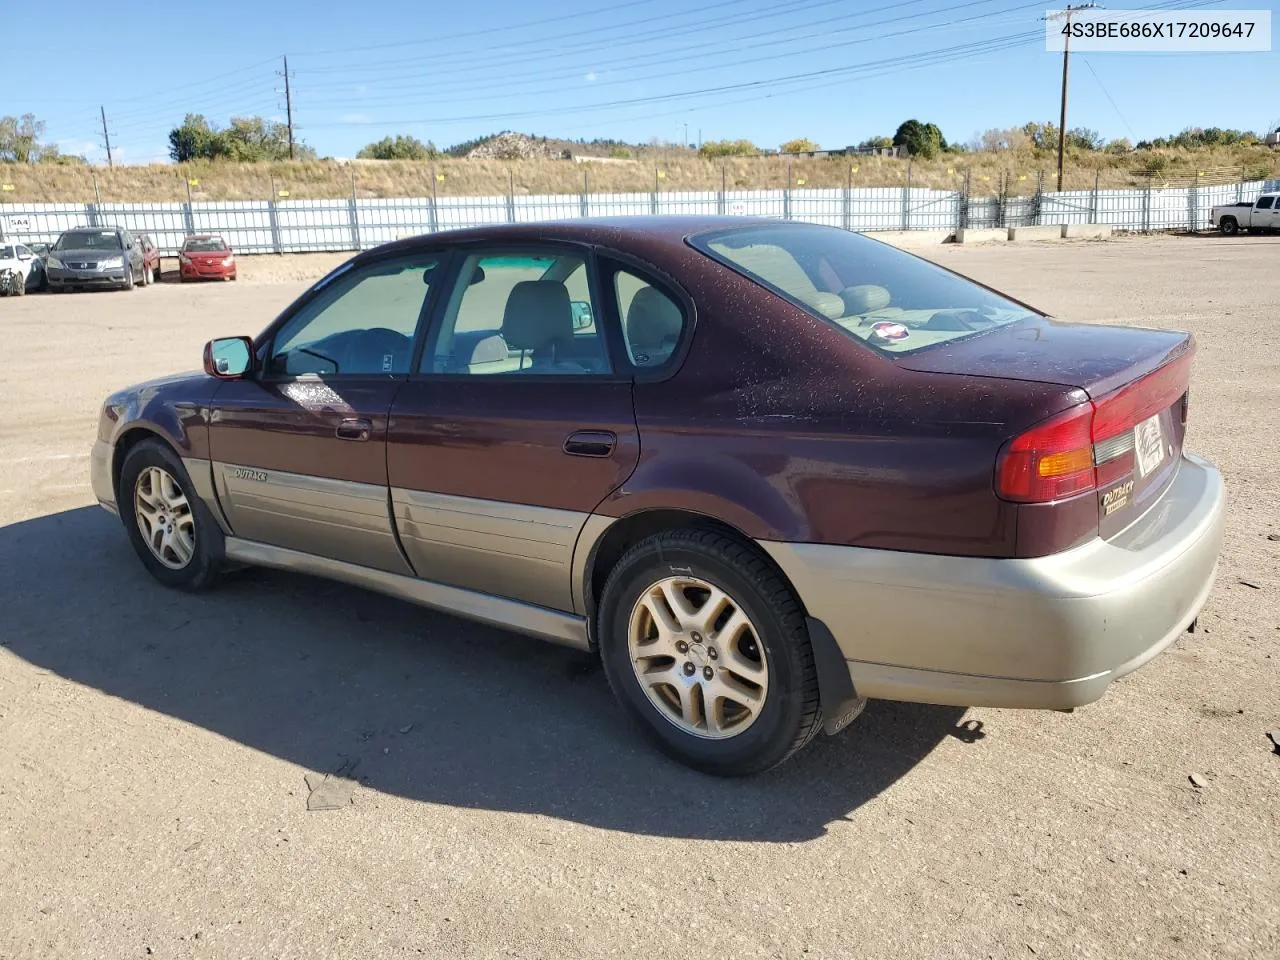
889,299
89,240
205,245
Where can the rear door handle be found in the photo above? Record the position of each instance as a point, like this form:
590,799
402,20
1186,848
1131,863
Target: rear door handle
590,443
354,429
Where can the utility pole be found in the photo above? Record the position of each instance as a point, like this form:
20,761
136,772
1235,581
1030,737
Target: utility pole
288,105
1062,114
106,137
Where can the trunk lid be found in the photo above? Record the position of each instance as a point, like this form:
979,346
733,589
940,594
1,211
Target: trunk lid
1135,379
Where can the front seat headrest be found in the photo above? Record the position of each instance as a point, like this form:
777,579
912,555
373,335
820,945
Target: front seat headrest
652,320
538,315
865,298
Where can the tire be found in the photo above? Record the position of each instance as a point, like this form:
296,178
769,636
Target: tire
1229,226
204,561
146,276
740,741
128,278
20,288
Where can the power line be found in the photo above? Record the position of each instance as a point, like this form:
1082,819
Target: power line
1105,93
399,97
765,39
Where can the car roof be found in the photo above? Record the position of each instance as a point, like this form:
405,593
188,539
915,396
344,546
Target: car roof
608,231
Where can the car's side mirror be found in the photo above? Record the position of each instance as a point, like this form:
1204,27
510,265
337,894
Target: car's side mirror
229,358
582,317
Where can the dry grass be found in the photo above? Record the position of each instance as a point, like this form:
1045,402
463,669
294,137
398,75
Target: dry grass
986,173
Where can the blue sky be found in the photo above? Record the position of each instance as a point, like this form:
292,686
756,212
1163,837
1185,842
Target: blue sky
836,71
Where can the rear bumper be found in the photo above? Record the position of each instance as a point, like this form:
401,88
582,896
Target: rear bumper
1050,632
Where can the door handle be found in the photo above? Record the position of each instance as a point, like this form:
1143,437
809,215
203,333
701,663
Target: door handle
590,443
354,429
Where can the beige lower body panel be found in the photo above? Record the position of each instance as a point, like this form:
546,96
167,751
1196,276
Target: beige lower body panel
101,459
527,618
1047,632
330,518
505,549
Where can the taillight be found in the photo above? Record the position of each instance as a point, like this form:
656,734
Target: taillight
1090,445
1050,461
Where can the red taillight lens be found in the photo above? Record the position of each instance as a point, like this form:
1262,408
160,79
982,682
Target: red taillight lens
1051,460
1056,459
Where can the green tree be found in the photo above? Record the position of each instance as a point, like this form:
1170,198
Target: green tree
195,139
1120,145
920,139
1043,136
875,143
399,148
20,138
1082,138
799,145
728,148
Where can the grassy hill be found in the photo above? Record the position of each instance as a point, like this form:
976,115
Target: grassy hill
671,169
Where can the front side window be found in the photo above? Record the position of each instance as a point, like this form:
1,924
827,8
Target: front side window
519,313
884,297
362,324
1264,203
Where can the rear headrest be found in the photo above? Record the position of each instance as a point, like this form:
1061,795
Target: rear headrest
828,304
864,298
652,320
538,314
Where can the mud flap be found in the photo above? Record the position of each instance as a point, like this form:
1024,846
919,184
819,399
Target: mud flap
840,702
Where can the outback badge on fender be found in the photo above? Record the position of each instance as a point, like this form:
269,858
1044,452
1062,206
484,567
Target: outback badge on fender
246,473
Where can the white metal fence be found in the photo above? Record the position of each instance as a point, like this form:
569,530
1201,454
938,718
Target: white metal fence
296,226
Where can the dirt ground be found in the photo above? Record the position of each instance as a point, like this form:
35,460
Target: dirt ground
153,745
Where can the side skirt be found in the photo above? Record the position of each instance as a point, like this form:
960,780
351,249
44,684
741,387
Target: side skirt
553,625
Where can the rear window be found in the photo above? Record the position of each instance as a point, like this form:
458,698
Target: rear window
7,253
889,299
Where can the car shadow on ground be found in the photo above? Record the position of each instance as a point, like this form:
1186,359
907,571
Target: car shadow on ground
425,706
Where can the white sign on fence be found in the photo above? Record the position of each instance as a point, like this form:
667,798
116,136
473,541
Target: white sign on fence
17,223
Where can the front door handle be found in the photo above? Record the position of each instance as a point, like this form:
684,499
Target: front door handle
354,429
590,443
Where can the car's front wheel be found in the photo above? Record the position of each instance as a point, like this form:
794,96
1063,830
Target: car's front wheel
170,528
705,645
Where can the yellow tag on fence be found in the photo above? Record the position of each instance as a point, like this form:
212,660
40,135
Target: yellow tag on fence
193,183
800,182
6,187
282,193
440,177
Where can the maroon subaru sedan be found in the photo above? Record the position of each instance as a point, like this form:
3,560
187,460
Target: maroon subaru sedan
764,470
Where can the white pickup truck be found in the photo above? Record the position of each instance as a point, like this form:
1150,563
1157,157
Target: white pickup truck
1260,214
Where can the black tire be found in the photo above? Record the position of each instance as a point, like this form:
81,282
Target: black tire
20,288
128,277
146,276
206,562
791,714
1229,226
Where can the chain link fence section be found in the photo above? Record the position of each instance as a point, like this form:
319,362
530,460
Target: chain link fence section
303,226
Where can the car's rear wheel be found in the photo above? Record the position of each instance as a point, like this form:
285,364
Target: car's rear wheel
705,645
128,276
1229,226
146,275
170,528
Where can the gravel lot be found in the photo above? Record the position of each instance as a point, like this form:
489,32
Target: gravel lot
153,745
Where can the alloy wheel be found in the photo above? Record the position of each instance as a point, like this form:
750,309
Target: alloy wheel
164,517
698,657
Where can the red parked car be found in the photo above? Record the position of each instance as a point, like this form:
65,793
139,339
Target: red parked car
206,258
765,470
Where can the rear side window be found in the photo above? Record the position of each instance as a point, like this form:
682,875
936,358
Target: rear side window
652,322
889,299
1264,203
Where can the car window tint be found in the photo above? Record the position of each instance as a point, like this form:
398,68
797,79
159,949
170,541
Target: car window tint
873,292
519,313
7,253
363,324
652,322
1264,203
